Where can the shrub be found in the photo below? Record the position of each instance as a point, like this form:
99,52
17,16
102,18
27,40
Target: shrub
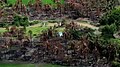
115,64
109,30
34,22
111,17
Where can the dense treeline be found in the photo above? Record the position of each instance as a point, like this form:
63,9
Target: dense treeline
110,24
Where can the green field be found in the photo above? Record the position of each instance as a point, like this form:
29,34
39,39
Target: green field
28,65
35,30
26,1
2,30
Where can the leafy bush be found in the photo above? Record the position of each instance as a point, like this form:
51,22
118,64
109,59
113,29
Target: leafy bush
34,22
20,21
111,17
53,21
75,34
109,30
115,64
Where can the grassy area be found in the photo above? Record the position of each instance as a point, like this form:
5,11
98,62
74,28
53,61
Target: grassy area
23,1
60,29
115,64
2,30
26,1
118,7
28,65
17,65
36,30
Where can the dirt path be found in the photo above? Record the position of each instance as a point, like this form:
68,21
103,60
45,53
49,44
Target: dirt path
87,25
39,24
52,24
84,24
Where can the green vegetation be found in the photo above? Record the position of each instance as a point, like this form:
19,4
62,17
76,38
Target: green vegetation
36,30
28,65
60,29
17,65
23,1
2,30
110,23
111,17
20,21
50,1
33,23
109,30
115,64
33,1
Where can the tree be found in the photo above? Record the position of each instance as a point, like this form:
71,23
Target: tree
17,24
111,17
109,30
16,20
24,21
20,21
30,33
75,33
